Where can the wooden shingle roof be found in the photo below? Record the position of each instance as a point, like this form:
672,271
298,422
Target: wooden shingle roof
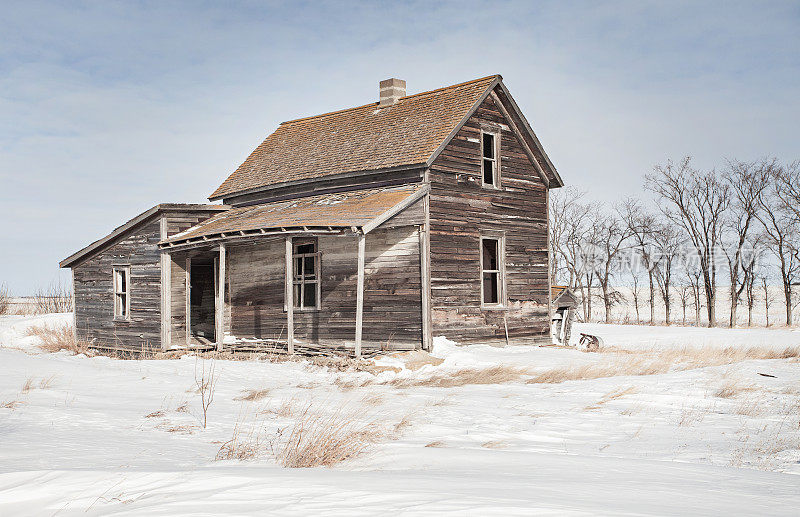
357,209
365,138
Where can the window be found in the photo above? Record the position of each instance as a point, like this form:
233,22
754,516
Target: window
492,271
490,164
122,299
306,275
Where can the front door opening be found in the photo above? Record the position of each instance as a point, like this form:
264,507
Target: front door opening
202,299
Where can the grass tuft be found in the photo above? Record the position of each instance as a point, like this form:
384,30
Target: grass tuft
320,439
253,395
56,338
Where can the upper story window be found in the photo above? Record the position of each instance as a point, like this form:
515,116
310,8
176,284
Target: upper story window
490,164
306,275
122,299
492,281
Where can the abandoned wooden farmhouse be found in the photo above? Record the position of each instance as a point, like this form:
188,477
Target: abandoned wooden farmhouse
375,227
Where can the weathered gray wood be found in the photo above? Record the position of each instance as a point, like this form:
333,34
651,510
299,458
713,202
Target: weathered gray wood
395,210
360,292
188,291
326,185
166,290
94,299
461,209
289,295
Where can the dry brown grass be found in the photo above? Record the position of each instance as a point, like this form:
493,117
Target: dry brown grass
182,429
751,406
437,444
612,395
253,395
46,382
57,338
626,366
155,414
5,299
28,385
623,362
318,438
401,426
373,400
11,404
495,444
700,357
693,415
732,388
283,410
493,375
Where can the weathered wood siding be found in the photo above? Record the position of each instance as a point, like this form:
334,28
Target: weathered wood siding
392,315
94,288
94,292
460,208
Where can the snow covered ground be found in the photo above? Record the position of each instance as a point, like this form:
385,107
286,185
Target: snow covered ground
98,436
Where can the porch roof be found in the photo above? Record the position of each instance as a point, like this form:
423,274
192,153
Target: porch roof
363,209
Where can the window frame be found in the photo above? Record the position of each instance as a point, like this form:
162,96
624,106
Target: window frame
299,301
496,135
117,292
502,301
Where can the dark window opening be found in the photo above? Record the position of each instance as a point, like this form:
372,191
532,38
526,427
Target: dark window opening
489,159
121,293
306,276
490,265
202,299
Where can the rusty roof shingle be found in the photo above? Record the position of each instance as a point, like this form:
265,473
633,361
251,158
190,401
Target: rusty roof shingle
364,138
341,210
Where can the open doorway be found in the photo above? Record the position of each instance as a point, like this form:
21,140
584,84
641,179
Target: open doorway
202,299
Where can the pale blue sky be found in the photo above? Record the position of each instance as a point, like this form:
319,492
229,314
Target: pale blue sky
107,108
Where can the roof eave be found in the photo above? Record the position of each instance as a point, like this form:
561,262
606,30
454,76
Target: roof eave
136,221
349,174
498,79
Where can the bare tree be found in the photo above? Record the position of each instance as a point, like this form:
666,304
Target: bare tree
206,381
583,244
567,221
696,201
782,229
746,182
669,243
642,227
788,188
611,239
768,298
636,293
685,293
696,287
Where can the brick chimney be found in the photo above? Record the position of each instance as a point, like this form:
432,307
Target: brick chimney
391,90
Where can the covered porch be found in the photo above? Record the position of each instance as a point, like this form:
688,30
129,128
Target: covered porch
337,273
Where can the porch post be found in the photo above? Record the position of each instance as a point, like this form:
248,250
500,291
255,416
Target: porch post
188,303
166,300
360,292
166,288
220,316
289,296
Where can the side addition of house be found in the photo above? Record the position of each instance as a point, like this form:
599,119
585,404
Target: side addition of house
370,228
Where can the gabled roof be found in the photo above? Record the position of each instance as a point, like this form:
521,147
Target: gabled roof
407,134
145,216
562,296
364,209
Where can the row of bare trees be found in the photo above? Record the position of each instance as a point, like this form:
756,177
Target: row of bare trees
743,221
